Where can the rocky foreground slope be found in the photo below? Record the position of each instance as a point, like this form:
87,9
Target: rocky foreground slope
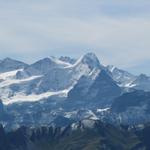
85,135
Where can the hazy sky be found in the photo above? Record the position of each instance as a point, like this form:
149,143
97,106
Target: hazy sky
117,31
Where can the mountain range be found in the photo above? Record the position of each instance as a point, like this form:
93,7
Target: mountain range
60,91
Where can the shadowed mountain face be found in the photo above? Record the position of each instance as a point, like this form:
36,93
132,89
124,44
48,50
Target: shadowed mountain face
100,91
1,107
87,135
131,100
142,82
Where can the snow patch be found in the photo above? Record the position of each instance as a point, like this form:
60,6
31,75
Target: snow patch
21,97
9,81
103,110
10,74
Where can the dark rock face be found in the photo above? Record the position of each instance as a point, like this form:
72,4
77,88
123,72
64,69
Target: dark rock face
67,59
4,144
1,107
132,99
102,91
131,108
107,88
92,60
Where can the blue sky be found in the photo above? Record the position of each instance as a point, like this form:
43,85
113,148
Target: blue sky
117,31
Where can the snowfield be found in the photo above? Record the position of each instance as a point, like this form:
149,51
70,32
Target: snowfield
21,97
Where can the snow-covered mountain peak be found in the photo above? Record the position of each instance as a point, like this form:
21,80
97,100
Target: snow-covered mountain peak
90,59
42,67
45,61
8,60
53,61
9,64
123,78
142,82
